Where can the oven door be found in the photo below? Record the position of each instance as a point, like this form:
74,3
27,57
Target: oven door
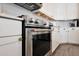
38,42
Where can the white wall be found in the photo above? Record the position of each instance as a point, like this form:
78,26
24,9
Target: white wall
61,11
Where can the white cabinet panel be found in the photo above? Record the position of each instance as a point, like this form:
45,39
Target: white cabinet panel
55,34
10,47
67,35
13,49
61,35
74,36
0,8
55,38
55,44
64,35
10,27
7,40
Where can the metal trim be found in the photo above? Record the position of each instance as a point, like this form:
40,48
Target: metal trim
10,18
9,36
23,38
37,27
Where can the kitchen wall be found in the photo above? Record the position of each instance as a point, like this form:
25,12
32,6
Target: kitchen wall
61,11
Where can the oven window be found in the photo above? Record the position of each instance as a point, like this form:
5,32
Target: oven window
41,44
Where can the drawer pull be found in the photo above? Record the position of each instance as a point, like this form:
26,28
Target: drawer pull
20,39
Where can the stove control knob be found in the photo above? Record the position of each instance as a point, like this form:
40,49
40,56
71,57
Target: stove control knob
36,21
44,24
50,24
31,21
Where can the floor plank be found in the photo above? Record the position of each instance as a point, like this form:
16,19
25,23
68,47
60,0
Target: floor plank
67,50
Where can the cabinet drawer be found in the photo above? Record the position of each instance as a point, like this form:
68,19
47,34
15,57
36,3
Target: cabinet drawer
74,36
10,27
12,49
8,40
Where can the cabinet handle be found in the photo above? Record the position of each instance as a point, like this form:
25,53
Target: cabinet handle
20,39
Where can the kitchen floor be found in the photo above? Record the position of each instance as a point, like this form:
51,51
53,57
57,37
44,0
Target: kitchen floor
67,50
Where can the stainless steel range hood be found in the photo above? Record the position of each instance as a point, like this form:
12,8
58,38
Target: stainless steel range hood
30,6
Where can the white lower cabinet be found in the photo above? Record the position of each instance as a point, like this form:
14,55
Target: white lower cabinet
70,35
10,32
63,35
10,27
55,34
74,35
55,44
10,46
55,39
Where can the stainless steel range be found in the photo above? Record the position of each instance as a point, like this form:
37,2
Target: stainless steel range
37,37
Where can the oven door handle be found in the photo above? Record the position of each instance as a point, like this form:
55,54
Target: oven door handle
41,30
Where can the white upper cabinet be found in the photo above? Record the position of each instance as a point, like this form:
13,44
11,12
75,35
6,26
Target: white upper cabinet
61,11
10,27
72,11
13,10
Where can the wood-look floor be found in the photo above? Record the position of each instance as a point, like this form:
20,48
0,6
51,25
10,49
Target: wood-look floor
67,50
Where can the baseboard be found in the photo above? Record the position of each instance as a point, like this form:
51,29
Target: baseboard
55,49
49,53
69,44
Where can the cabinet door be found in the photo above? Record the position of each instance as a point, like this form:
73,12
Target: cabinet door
64,35
10,46
55,35
74,36
10,27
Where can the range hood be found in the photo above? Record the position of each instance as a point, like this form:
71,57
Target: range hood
30,6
